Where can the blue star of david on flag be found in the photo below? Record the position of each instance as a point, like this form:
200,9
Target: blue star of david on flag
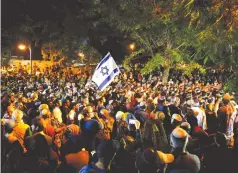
105,72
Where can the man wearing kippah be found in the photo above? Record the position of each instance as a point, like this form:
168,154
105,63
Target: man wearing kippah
226,116
184,162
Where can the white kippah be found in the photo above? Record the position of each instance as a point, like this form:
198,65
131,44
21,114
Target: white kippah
179,138
179,133
176,117
44,112
119,115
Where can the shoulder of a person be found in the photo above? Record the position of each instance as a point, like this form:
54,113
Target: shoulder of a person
12,138
24,125
191,157
86,169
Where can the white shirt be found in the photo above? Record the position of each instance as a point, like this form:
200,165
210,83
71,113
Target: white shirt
57,114
229,131
201,117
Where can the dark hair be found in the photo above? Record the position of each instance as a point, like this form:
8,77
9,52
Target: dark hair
151,136
56,101
176,123
225,101
68,133
142,162
86,110
100,99
38,123
122,129
221,139
105,151
73,104
8,128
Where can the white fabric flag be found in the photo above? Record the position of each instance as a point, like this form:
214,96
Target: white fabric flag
105,72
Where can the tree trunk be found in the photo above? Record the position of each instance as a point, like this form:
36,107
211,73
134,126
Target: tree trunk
165,76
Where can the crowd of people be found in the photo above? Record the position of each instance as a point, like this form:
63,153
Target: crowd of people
58,122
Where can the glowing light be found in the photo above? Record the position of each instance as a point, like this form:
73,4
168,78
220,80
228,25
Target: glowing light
81,55
132,46
22,47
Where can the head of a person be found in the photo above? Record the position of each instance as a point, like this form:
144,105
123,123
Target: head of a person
226,98
120,115
45,113
176,120
161,100
56,103
221,139
24,99
186,126
67,103
146,161
179,138
10,110
37,125
57,140
75,106
43,106
150,134
20,106
9,125
50,103
12,98
122,128
67,135
105,152
88,112
101,101
34,96
17,115
85,101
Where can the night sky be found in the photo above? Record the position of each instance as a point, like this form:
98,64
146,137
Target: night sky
13,10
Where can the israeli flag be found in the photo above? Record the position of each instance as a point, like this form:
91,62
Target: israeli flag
105,72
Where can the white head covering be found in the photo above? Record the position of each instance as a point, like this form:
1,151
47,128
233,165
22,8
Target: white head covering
17,115
179,138
119,115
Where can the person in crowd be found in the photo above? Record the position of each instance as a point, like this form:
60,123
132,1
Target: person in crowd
184,161
128,127
105,153
212,121
149,160
65,110
73,114
20,129
226,116
57,114
40,155
9,112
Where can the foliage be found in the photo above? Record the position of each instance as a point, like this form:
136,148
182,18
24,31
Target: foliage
188,31
91,55
174,32
128,59
232,85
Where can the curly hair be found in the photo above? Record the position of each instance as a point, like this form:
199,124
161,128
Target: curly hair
122,128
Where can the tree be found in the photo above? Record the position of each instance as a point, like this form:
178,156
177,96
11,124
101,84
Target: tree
155,32
177,32
216,23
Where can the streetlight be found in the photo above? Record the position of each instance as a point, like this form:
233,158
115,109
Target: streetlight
132,46
24,47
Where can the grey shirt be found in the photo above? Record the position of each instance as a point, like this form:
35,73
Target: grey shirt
185,163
